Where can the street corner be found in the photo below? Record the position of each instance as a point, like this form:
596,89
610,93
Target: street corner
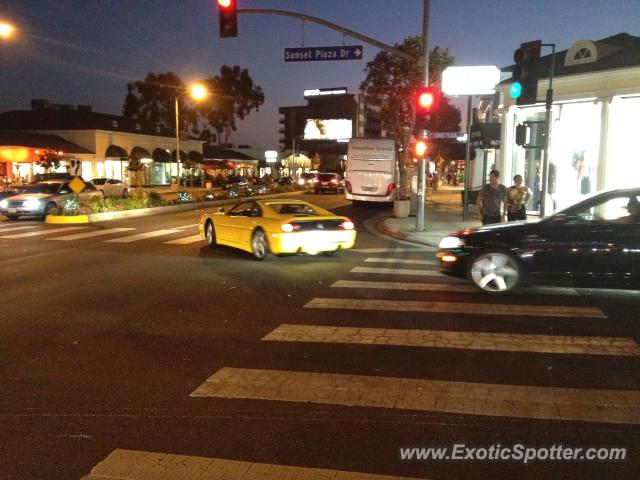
402,229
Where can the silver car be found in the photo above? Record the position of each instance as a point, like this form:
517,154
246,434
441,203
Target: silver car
38,199
111,187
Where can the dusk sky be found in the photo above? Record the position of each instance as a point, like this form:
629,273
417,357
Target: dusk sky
85,51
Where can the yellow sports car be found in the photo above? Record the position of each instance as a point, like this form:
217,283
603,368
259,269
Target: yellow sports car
278,226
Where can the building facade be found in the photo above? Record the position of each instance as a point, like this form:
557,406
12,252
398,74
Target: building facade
594,118
102,145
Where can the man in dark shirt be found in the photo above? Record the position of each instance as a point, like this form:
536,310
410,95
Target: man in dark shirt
492,200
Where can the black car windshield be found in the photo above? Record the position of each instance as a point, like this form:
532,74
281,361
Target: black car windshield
48,188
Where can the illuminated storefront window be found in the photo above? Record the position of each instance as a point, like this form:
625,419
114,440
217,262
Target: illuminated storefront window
623,158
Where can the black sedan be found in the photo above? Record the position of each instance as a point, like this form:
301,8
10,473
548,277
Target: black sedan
594,244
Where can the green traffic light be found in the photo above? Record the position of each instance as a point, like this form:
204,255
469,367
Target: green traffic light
516,90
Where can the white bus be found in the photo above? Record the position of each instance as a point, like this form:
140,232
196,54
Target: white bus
371,170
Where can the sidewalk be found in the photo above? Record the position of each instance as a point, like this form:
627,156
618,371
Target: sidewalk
443,215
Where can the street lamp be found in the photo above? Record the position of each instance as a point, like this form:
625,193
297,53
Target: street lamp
197,91
6,30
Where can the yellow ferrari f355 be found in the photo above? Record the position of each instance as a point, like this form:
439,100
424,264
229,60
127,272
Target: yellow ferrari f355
278,226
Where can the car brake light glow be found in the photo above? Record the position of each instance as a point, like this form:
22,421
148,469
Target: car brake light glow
290,227
347,225
449,258
347,185
390,188
334,181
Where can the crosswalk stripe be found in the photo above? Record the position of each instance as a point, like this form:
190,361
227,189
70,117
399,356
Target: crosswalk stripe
453,307
185,240
396,271
441,287
142,236
13,229
506,342
393,250
97,233
551,403
401,260
46,231
136,465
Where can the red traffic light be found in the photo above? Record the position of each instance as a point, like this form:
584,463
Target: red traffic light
426,104
425,100
228,12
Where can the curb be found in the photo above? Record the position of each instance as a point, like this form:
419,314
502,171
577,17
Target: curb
61,219
144,212
396,233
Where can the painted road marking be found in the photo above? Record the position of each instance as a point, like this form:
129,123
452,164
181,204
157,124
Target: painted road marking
185,240
12,229
187,226
453,307
96,233
42,232
551,403
507,342
444,287
140,465
396,271
401,260
143,236
393,250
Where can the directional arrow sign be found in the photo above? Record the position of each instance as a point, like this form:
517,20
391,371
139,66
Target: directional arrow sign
319,54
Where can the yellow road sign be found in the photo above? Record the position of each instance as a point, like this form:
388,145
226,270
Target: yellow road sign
76,185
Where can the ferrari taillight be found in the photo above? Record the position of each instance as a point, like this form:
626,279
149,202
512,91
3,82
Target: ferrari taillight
347,225
290,227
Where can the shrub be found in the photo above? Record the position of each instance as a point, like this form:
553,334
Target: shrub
155,199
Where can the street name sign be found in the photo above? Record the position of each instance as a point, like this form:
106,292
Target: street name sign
319,54
445,134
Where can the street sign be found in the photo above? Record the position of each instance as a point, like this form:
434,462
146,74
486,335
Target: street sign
445,134
76,185
318,54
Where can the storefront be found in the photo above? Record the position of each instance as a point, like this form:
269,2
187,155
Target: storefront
593,117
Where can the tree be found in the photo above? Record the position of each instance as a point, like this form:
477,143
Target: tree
49,159
391,83
151,102
233,95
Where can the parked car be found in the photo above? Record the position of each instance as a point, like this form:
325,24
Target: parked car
111,187
594,243
328,182
39,198
285,181
307,180
278,226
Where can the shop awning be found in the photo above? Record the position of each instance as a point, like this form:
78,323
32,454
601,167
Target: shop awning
115,151
139,153
195,156
160,155
21,146
183,156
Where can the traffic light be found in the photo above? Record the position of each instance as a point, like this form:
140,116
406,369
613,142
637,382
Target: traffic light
228,11
525,75
425,107
420,148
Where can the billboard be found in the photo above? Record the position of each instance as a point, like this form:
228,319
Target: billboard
328,129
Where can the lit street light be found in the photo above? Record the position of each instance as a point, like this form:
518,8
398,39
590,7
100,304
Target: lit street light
197,91
6,30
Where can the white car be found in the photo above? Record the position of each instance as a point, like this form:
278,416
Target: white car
111,187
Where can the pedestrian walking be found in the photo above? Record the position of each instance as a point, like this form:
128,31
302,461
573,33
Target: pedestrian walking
492,200
517,197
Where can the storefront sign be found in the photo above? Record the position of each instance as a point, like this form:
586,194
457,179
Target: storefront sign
480,80
485,135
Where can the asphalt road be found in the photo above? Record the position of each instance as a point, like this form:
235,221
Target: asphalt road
106,348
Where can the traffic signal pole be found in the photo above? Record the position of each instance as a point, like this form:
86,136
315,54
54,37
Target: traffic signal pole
547,116
422,160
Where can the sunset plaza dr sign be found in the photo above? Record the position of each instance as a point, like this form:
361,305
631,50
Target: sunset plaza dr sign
319,54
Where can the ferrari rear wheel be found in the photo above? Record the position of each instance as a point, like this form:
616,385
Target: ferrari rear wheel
210,233
495,272
259,245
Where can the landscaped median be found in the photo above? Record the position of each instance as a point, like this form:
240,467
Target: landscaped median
142,203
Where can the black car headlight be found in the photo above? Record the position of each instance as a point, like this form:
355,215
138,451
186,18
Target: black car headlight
451,242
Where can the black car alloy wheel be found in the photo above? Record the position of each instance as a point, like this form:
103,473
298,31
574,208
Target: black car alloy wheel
495,272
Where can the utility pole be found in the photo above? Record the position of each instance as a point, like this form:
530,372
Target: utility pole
547,116
422,161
